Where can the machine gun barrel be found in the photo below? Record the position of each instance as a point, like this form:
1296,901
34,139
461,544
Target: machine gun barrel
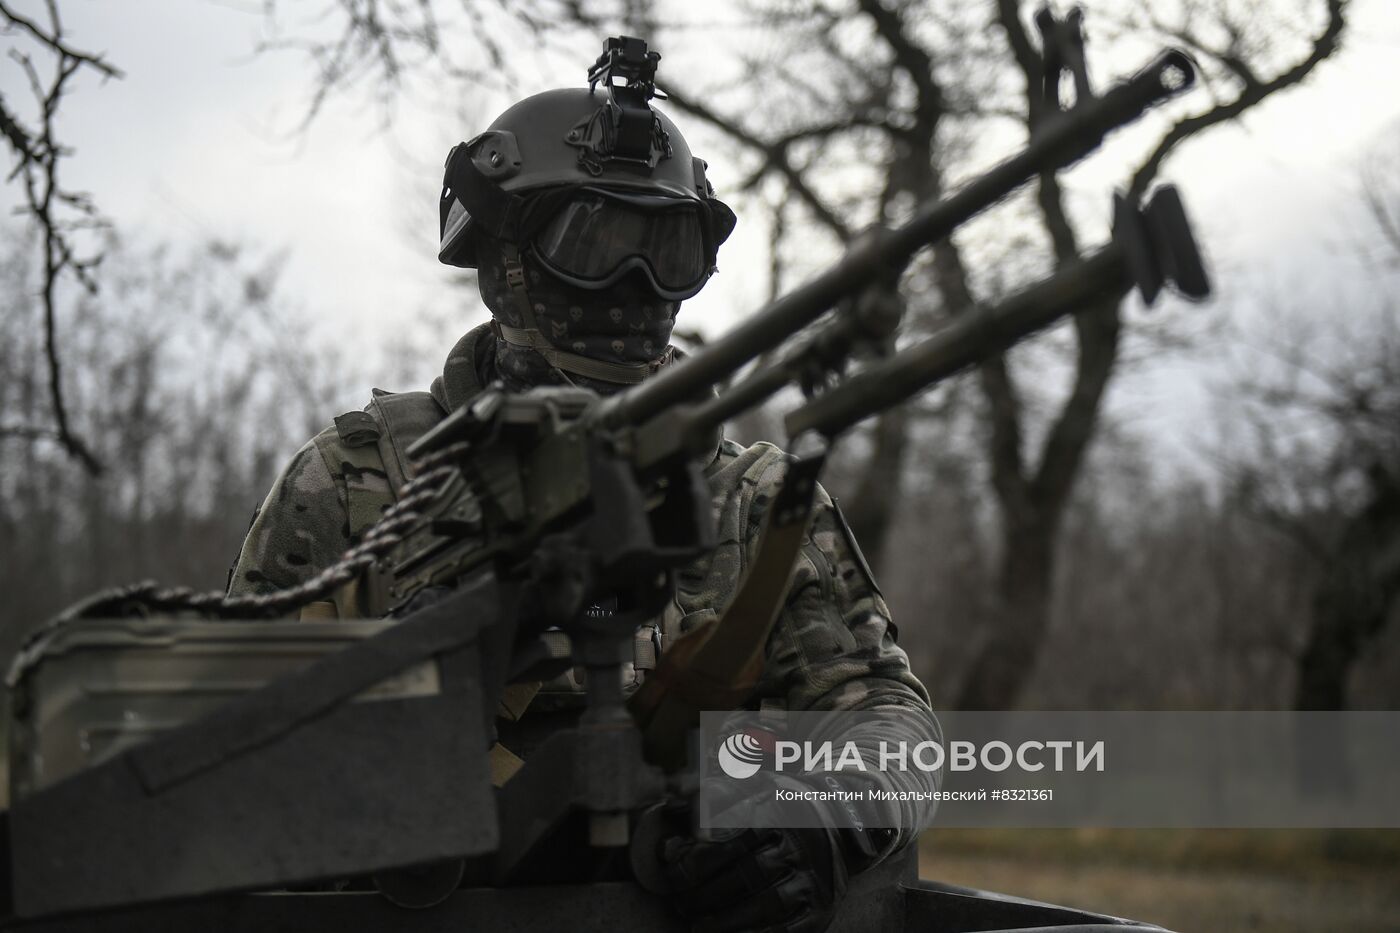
1152,246
766,381
971,337
1058,142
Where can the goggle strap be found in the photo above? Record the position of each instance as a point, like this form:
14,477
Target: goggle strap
515,278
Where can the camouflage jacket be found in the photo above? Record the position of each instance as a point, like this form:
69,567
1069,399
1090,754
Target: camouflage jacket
833,647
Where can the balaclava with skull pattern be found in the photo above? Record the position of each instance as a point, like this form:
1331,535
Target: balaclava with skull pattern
625,323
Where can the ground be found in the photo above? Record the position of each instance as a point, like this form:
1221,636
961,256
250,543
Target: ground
1190,881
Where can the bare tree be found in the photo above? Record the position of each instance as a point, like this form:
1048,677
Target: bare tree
1323,405
49,65
1323,469
196,381
483,46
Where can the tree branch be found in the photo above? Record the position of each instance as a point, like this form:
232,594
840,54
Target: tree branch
1049,196
1323,46
28,432
909,55
38,156
53,40
776,159
1098,331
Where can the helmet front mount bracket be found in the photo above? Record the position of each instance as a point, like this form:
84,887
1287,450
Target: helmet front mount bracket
623,128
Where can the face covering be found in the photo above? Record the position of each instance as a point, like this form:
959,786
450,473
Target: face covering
626,322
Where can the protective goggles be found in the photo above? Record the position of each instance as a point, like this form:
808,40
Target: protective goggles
595,236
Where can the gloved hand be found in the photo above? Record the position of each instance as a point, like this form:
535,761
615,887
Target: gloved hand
787,880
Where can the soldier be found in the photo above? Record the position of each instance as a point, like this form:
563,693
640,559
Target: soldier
589,222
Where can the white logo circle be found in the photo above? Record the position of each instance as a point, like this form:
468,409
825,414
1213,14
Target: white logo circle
740,755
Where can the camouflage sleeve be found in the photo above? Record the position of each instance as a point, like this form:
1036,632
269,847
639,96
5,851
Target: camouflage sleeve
833,648
300,528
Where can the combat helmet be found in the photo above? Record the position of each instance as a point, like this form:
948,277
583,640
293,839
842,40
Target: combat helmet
591,183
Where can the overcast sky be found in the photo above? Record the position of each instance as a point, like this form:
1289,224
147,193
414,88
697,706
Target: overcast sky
195,142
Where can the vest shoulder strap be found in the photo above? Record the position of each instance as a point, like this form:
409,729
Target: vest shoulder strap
366,451
402,418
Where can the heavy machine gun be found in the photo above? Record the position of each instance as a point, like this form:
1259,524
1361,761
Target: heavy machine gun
361,751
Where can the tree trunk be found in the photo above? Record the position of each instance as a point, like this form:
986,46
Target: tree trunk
876,498
1033,500
1331,651
1009,653
1354,599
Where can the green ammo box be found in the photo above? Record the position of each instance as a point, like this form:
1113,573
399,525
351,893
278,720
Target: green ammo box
83,691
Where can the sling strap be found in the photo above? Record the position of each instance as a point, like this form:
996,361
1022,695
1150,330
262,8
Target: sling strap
717,666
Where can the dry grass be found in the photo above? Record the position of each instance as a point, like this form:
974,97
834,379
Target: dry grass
1191,881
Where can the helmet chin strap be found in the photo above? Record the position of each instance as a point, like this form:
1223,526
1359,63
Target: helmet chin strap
531,337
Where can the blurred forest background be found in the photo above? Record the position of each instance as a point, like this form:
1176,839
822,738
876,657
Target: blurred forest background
1037,548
